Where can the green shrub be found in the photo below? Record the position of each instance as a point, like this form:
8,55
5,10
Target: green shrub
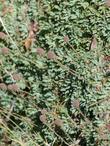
54,73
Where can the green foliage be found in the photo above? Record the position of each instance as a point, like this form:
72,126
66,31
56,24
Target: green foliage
54,73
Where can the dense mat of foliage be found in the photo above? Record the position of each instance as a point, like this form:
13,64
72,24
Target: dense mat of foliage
54,73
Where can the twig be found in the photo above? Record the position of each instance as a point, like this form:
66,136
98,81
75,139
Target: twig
8,34
100,101
10,111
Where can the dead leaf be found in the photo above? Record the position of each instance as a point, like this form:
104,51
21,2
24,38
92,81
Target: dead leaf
3,1
28,44
31,35
93,43
33,26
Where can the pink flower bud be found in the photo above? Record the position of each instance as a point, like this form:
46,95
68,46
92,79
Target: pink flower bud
3,86
40,51
75,103
43,111
107,58
51,55
66,39
5,51
58,122
43,118
107,3
2,35
17,77
13,87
